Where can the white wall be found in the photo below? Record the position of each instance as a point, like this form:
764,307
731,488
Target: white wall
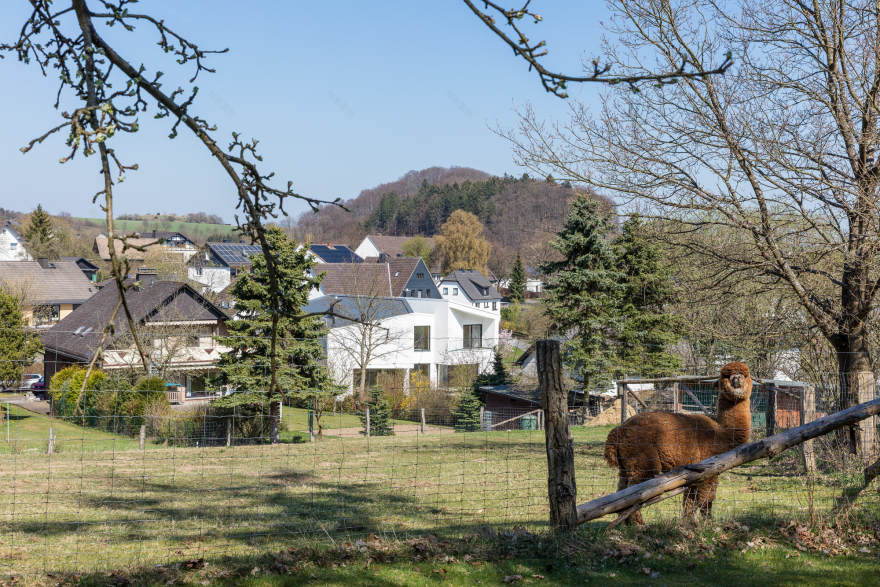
216,278
11,248
367,249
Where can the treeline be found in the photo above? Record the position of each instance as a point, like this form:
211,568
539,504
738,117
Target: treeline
195,217
519,214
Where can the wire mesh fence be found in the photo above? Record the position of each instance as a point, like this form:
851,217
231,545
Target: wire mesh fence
90,484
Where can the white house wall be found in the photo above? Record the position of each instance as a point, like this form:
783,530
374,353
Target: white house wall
216,278
367,249
8,252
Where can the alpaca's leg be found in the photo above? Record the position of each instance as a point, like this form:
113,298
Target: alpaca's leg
706,495
688,504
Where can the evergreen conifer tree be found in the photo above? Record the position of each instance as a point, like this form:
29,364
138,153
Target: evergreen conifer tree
467,413
246,366
517,290
380,414
18,346
501,377
647,328
39,230
584,294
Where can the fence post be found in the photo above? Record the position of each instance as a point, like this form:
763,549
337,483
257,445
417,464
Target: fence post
770,410
368,422
676,398
311,425
143,437
51,440
623,394
562,490
423,419
868,428
808,414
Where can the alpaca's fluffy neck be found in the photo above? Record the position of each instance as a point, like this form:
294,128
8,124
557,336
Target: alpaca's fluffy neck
735,418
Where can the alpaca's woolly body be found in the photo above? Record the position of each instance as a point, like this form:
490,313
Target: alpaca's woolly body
652,443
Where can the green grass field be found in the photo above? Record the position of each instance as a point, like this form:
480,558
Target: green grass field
188,228
101,504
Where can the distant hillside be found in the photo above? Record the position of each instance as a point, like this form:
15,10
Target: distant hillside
195,231
520,215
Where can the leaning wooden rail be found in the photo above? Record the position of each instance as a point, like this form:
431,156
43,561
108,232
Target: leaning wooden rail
690,474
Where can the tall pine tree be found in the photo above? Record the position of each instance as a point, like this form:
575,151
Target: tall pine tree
517,290
246,366
647,329
584,294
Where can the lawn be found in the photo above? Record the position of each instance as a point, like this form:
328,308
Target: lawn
102,504
187,228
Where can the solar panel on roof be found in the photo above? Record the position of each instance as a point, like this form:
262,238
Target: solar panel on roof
337,254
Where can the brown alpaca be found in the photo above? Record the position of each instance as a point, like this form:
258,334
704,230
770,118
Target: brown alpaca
652,443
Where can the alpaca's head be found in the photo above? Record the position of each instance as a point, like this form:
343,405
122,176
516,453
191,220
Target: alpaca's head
735,381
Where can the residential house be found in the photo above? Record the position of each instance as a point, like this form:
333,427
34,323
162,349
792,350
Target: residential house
419,330
220,263
330,253
534,282
89,269
12,244
373,246
50,290
169,241
467,286
176,325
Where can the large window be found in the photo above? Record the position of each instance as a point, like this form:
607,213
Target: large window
473,336
422,338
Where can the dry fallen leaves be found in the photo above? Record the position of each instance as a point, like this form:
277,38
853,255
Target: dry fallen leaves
511,578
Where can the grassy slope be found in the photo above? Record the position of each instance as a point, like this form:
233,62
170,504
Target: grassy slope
184,227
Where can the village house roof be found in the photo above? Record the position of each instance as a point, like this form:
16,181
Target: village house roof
387,279
474,284
79,333
103,250
392,246
48,282
331,253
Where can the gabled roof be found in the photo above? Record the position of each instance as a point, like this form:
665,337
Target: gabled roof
163,235
363,279
400,271
61,282
235,254
9,226
82,263
392,246
335,254
103,249
474,285
528,393
79,333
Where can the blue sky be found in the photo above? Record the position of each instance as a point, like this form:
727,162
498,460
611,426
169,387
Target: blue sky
342,95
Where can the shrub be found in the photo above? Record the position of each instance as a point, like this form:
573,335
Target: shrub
467,413
380,414
65,388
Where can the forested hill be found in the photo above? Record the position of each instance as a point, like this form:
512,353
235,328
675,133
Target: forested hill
516,212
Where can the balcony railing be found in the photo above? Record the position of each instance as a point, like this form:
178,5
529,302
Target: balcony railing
471,344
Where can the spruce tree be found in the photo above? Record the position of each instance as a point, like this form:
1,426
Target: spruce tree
298,350
380,414
584,294
39,230
18,345
467,413
500,371
647,328
517,290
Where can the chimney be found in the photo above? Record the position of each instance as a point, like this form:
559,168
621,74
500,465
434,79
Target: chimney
383,258
44,262
330,245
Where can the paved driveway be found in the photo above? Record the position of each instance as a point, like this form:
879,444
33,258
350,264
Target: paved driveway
39,406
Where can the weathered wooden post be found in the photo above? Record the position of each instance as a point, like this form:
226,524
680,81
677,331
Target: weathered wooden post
562,490
423,420
676,398
770,409
311,424
368,422
623,394
808,414
143,439
51,440
868,428
482,428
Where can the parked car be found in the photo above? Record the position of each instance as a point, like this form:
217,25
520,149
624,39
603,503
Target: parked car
28,381
40,385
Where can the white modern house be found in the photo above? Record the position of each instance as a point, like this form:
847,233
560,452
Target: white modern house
413,332
12,244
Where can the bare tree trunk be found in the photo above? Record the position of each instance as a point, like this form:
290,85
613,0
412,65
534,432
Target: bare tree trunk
561,486
274,432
